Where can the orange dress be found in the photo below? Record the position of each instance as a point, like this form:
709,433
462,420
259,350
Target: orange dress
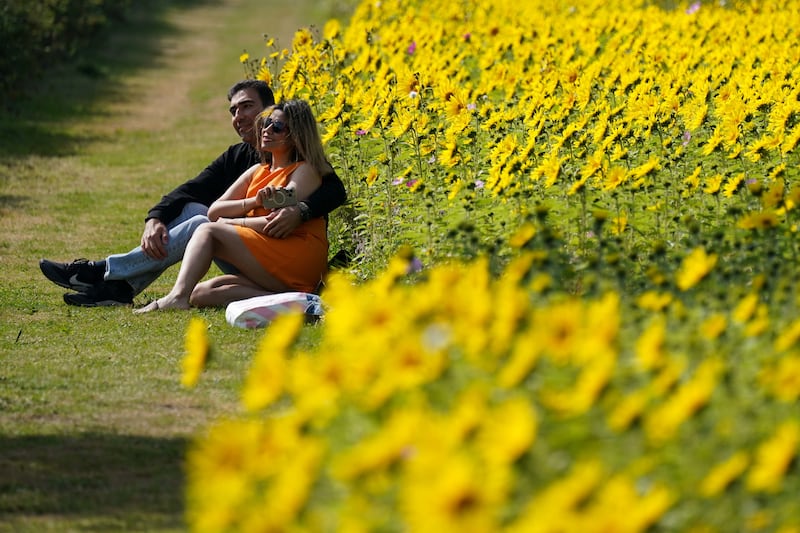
301,259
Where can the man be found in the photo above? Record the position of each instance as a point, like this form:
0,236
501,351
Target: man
170,224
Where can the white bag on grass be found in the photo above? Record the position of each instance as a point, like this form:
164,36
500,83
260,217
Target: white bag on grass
259,311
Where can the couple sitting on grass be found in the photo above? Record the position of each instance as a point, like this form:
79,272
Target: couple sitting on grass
261,250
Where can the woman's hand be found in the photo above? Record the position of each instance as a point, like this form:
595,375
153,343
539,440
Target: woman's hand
264,193
277,197
267,193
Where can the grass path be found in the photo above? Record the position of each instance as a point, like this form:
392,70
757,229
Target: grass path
93,422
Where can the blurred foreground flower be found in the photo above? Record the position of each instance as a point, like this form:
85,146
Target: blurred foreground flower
773,458
197,349
694,268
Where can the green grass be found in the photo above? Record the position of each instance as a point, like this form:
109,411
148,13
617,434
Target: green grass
93,420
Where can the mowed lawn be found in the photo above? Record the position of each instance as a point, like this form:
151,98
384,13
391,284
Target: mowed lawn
93,420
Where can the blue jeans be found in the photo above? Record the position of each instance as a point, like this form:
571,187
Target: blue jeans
140,270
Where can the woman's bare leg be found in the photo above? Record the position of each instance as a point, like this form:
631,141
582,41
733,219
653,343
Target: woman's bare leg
196,262
209,241
223,290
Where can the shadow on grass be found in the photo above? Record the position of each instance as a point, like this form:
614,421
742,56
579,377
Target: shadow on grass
11,201
35,120
91,475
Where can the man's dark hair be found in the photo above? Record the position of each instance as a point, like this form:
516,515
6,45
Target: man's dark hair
264,92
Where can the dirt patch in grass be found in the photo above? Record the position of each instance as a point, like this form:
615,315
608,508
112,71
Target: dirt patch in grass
157,97
160,95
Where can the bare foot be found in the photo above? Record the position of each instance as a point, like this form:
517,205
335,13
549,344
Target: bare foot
152,306
161,305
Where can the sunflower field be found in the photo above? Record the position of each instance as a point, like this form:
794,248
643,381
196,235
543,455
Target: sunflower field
573,305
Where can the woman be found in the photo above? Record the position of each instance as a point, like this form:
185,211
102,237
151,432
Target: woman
236,235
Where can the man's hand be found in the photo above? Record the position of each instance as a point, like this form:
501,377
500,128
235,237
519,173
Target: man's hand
282,222
155,238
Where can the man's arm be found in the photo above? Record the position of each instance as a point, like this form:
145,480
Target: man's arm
330,195
199,189
327,197
207,186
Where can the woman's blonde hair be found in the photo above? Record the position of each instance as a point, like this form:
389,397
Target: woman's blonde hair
303,132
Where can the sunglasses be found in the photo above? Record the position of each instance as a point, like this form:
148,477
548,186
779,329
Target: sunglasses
277,125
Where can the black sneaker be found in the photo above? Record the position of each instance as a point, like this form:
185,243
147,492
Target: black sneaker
80,275
105,294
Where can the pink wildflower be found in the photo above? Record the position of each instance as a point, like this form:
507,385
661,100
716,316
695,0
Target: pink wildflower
414,266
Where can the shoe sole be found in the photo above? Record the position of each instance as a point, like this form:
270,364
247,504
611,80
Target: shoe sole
55,276
69,299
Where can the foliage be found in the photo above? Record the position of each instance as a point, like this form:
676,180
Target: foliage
452,134
36,33
575,305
